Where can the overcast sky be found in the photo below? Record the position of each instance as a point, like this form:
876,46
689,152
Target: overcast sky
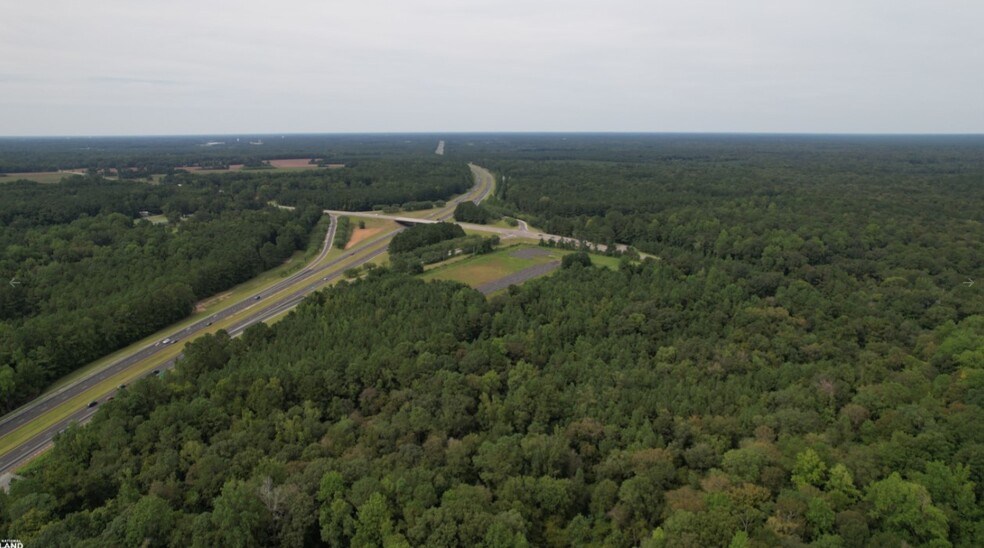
97,67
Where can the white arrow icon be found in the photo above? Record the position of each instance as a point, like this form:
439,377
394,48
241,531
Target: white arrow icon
969,282
14,282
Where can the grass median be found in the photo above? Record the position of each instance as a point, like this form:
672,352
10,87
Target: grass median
61,411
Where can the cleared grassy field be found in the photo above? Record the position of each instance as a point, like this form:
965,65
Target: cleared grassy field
482,269
157,219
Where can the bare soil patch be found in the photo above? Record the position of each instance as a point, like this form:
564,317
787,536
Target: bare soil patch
42,176
360,234
292,162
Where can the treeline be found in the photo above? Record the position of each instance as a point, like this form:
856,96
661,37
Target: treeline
424,234
25,204
141,156
656,405
859,214
469,212
360,187
413,261
343,232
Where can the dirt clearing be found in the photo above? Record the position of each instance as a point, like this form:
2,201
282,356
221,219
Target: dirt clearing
360,234
293,162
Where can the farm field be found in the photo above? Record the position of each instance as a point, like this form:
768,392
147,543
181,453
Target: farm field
43,177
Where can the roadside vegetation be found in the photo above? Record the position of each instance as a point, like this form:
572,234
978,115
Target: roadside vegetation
423,235
468,212
425,244
343,232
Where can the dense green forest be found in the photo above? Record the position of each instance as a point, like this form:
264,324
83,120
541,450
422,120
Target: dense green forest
145,155
646,405
468,212
423,235
359,187
803,364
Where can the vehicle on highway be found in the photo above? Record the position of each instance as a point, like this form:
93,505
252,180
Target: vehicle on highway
167,341
256,298
92,404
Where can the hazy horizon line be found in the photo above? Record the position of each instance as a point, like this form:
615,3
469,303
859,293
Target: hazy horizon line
506,132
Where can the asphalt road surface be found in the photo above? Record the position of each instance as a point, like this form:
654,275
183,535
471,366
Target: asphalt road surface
518,277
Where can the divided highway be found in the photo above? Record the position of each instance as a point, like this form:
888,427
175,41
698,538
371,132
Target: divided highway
256,307
41,442
24,414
